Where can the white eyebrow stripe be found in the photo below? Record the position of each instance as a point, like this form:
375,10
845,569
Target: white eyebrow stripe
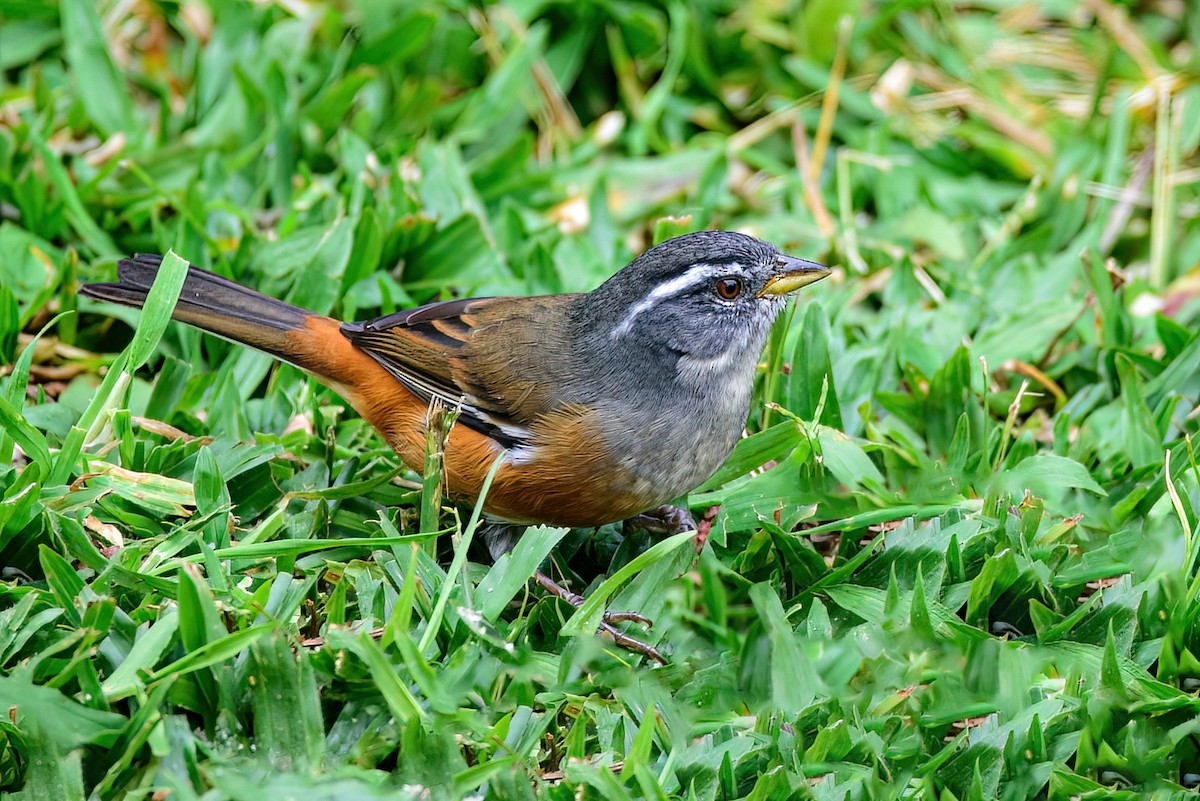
693,276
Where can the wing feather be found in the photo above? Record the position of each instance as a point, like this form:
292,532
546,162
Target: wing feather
428,350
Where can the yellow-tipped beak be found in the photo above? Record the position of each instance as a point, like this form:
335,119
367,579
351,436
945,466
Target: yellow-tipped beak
796,273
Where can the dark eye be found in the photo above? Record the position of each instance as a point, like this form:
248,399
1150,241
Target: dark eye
729,288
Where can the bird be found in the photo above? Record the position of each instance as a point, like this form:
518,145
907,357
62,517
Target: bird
599,406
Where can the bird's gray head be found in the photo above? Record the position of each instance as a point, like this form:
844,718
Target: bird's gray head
707,299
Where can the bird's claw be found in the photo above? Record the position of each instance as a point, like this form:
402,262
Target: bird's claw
623,640
628,617
666,520
620,638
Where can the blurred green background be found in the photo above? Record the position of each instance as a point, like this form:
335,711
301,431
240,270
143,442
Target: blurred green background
955,557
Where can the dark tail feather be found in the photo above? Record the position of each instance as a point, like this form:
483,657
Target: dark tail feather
210,303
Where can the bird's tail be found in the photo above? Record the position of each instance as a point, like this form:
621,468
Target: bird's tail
222,307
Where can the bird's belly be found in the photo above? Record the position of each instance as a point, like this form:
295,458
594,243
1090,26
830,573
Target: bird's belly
588,475
675,464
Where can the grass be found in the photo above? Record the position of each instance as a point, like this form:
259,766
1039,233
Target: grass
970,571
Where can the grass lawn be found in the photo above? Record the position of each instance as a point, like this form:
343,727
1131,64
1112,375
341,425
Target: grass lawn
956,556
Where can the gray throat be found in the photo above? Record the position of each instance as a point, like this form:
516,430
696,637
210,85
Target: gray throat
655,401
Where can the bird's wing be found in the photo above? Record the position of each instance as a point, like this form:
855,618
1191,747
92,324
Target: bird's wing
472,353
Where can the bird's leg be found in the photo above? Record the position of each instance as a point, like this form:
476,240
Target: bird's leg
501,537
619,637
665,520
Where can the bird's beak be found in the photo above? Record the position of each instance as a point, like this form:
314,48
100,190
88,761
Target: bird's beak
793,274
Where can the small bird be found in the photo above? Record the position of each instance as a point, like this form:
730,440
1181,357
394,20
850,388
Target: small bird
600,405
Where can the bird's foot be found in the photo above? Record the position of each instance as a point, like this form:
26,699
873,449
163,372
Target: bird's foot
666,520
607,626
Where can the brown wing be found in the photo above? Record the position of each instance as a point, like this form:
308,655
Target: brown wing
503,380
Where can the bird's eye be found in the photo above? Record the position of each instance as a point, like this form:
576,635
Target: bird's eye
728,288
